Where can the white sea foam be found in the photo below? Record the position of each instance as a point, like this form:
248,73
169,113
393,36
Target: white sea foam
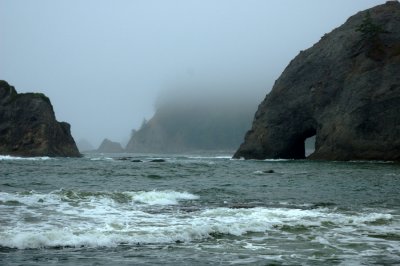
277,160
101,159
211,157
8,157
161,197
32,198
267,160
67,218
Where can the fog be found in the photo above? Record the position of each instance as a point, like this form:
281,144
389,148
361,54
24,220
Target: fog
103,63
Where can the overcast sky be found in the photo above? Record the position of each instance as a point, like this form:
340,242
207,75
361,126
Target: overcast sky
103,62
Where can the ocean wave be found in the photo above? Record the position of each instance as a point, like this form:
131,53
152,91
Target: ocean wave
278,160
9,157
167,197
211,157
101,159
109,224
265,160
161,197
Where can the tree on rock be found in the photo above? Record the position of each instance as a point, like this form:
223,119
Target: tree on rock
368,29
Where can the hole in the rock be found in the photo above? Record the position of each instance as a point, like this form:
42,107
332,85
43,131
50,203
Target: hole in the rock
309,145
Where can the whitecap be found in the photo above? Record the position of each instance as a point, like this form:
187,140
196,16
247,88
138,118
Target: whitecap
101,159
277,160
259,172
211,157
8,157
161,197
75,219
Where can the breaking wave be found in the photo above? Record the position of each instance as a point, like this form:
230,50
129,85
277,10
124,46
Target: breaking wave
67,218
9,157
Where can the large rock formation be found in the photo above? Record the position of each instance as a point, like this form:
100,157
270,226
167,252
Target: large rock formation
28,126
108,146
345,90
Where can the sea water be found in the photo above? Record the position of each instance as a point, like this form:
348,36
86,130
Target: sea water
197,210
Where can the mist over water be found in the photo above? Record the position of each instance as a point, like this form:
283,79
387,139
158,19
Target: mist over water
103,64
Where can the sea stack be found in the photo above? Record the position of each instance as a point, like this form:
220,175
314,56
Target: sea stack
108,146
345,90
28,126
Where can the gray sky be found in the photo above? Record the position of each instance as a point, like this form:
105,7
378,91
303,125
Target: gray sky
103,62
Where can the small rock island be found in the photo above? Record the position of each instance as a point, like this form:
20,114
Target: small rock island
28,126
345,90
108,146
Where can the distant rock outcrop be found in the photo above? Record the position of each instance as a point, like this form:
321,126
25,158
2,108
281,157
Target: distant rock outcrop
108,146
345,90
28,126
85,146
192,127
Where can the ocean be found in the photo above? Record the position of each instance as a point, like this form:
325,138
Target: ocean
197,210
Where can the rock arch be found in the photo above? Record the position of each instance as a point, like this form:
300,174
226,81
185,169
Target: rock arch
344,89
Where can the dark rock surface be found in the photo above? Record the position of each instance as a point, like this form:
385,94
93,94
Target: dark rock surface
28,126
109,146
345,90
158,161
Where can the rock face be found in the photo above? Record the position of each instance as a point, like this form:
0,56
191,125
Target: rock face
345,90
108,146
28,126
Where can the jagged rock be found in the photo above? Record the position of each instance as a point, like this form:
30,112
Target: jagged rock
345,90
108,146
28,126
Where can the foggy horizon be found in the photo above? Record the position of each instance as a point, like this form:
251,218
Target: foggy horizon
104,64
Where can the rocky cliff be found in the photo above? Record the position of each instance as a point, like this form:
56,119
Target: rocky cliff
345,90
28,126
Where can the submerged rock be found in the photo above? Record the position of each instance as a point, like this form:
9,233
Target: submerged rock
268,171
158,161
345,90
28,126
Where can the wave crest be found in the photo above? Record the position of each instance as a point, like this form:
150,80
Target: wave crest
9,157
